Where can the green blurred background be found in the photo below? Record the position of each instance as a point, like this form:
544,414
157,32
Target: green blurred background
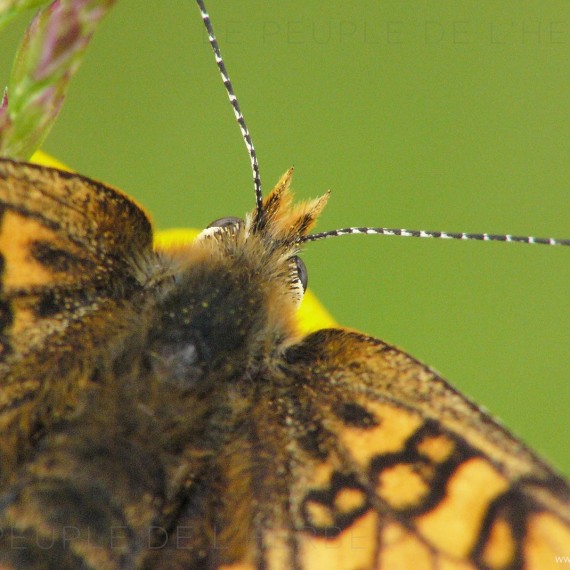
448,115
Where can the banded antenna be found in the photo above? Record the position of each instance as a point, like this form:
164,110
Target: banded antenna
235,106
344,231
432,234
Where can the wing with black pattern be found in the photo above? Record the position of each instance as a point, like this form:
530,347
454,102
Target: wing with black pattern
396,469
72,253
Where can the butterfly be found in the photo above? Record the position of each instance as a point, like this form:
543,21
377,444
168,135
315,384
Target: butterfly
160,409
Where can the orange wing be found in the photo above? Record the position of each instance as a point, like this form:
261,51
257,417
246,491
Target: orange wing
405,472
72,251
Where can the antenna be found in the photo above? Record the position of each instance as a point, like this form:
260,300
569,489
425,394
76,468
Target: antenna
235,106
437,235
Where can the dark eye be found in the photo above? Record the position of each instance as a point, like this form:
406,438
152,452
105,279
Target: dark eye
302,274
225,222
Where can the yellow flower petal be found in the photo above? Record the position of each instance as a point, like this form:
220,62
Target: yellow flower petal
40,157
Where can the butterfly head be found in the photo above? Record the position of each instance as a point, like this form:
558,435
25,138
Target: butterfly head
265,246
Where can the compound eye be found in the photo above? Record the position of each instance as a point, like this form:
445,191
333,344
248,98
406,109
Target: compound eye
226,222
221,226
302,274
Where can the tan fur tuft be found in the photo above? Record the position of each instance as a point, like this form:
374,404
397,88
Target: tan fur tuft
283,220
